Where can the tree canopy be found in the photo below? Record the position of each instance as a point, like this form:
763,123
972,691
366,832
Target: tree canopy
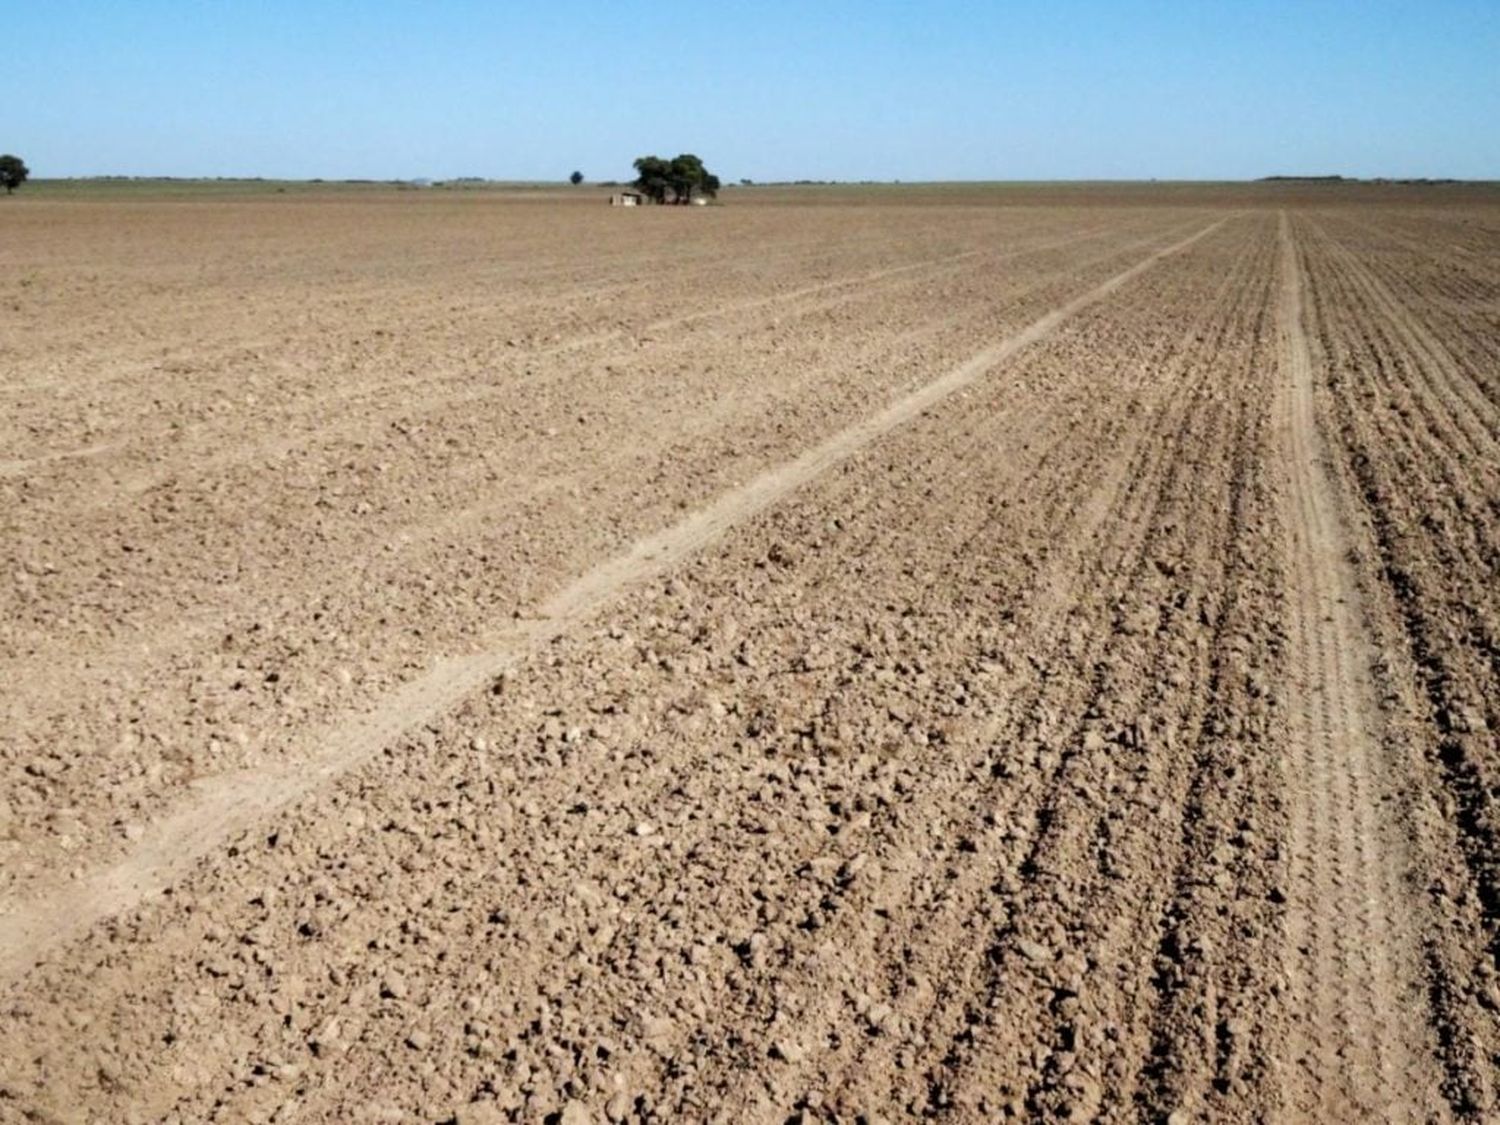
13,172
576,178
679,177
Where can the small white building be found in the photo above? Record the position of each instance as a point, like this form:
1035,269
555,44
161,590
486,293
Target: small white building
626,199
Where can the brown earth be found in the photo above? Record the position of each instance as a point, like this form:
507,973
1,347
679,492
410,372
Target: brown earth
830,657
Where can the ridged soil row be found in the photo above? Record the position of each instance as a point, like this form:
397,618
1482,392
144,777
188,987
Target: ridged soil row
371,336
676,349
1427,567
1442,262
1214,979
1433,371
1386,384
1446,276
1029,751
313,381
596,864
350,408
397,562
1064,1007
915,966
368,373
501,272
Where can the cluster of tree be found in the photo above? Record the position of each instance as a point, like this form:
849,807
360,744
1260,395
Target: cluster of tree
13,172
679,177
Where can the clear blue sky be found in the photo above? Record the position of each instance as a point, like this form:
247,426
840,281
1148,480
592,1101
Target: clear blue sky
820,89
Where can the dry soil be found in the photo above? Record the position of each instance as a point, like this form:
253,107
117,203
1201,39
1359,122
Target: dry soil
837,656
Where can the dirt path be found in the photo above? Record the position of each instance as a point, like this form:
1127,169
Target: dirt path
230,805
1359,1049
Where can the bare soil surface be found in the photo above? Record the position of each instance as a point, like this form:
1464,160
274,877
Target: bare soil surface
833,659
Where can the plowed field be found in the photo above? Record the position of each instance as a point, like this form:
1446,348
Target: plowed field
833,657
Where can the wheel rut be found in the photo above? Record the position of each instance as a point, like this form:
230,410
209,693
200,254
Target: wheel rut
1356,1051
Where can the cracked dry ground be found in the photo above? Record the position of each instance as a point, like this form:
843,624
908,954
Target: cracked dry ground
917,657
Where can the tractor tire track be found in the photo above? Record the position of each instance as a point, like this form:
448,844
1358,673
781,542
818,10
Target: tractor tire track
1354,952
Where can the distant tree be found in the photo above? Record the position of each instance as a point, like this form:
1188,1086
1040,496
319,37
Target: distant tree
576,178
13,172
687,174
653,177
679,177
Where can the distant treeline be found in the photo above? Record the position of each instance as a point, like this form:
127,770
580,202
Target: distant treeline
1354,180
212,180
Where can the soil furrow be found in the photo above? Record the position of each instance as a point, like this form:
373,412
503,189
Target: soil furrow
934,938
1086,884
1468,411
